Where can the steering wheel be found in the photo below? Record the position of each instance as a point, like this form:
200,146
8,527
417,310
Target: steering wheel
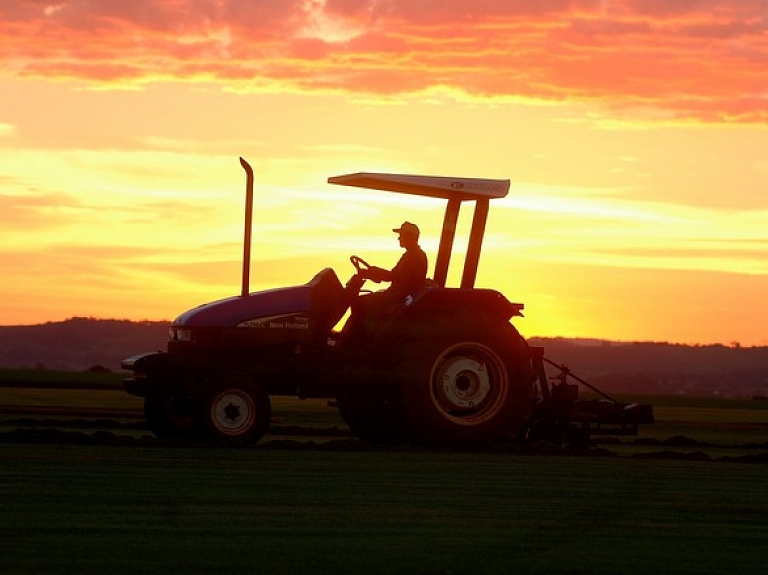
360,264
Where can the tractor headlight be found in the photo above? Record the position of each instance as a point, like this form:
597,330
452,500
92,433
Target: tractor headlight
180,334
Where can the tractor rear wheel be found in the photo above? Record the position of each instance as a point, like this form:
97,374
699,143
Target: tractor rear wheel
466,381
236,409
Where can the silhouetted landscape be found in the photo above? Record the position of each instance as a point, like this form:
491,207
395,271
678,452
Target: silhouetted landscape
663,368
80,344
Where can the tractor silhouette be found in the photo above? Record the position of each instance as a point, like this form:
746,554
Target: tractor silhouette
442,366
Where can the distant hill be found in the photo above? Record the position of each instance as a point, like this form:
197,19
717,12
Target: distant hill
79,344
662,368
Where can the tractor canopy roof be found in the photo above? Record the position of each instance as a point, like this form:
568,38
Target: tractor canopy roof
447,188
455,191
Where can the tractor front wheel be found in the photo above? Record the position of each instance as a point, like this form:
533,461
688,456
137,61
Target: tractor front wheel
236,409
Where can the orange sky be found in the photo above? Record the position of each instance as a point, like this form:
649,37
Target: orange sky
635,134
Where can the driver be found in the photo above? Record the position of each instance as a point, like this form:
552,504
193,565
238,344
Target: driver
410,273
406,278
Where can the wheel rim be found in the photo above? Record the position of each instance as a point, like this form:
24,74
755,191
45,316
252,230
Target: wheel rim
233,412
468,384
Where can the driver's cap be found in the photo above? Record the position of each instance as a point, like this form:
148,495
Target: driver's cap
408,229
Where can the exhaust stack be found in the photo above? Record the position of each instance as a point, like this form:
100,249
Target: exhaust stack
247,233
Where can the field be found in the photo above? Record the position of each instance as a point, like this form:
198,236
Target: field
687,496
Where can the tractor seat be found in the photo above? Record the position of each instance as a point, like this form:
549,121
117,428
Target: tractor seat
328,302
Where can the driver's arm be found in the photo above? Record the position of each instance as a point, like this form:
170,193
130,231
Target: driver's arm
377,274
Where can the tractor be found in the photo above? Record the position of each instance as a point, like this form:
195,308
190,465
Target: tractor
443,366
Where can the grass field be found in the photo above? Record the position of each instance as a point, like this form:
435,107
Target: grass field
85,509
343,507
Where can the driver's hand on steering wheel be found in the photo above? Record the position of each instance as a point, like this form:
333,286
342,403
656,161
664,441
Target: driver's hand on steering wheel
367,271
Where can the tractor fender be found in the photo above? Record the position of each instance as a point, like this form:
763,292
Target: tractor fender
480,301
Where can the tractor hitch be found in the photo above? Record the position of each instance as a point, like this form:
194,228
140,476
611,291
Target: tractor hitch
560,416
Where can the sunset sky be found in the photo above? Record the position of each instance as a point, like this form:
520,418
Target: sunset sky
635,133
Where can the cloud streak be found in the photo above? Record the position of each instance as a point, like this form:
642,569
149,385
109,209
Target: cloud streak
701,60
35,211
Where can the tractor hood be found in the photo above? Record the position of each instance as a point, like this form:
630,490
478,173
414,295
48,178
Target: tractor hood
238,310
319,297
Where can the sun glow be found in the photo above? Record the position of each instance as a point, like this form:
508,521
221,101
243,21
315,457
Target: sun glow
637,204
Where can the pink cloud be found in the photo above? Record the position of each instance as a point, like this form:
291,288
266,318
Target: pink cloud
701,59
